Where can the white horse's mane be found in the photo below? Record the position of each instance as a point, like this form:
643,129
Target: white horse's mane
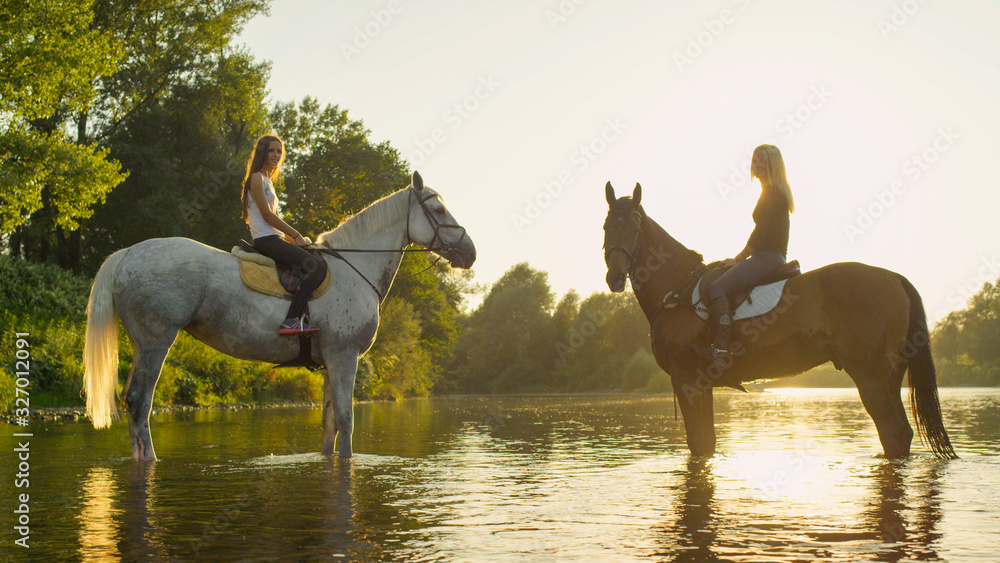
365,223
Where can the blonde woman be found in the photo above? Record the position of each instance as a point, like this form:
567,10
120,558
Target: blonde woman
274,238
764,252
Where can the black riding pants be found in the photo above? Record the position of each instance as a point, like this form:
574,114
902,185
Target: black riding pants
312,269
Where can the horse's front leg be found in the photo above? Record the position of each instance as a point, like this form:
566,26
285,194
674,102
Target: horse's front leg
698,412
329,421
338,401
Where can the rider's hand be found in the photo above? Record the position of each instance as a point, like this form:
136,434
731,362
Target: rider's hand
302,241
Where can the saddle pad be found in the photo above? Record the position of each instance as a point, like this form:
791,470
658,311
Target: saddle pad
260,274
762,299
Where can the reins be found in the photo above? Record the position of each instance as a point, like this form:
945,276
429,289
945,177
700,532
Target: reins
435,224
672,297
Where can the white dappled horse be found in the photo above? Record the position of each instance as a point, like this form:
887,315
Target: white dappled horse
161,286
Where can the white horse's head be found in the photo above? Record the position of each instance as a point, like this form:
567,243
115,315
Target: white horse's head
431,225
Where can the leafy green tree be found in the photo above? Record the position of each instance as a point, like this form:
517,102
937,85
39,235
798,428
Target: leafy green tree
165,42
50,62
946,337
604,336
401,365
188,158
981,326
436,295
966,343
560,329
167,49
332,167
506,345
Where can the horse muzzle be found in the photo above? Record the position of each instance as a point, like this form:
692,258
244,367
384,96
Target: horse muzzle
462,256
616,281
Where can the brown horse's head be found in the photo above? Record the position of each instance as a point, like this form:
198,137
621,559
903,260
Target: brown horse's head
622,235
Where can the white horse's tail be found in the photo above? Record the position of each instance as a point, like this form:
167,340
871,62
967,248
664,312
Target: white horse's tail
100,350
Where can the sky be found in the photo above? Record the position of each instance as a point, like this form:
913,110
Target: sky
519,112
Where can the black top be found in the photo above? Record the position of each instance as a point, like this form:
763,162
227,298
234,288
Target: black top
771,219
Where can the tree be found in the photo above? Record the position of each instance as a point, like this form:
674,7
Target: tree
506,345
188,157
400,365
605,335
946,336
165,48
49,65
981,326
333,168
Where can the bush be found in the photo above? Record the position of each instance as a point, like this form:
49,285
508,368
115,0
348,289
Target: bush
640,369
957,374
42,290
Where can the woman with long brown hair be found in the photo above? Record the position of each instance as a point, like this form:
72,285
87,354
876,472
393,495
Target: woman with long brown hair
274,238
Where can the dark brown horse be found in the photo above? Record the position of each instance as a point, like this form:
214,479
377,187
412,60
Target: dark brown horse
868,321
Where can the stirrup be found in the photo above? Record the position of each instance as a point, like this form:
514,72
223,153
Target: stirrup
295,326
723,358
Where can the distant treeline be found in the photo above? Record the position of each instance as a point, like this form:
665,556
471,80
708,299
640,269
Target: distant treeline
518,340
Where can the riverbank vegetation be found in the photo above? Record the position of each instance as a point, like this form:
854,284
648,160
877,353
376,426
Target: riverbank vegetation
130,124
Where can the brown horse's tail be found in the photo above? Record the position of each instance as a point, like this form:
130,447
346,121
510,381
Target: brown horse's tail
923,378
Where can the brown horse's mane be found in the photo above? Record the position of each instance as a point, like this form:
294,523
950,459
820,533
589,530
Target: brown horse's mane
659,234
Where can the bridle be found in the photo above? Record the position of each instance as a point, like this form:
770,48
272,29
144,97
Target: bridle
444,247
672,297
633,254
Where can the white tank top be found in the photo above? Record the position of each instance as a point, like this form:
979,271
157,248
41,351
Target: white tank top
258,226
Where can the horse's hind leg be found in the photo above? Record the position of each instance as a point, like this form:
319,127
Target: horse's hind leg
146,368
880,396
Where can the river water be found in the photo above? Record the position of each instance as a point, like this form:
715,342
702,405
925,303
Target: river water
542,478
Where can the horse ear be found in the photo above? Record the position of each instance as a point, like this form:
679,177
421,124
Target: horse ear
609,193
417,181
637,193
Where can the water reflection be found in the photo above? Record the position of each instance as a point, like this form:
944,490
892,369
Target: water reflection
98,518
905,512
717,519
695,533
532,478
140,535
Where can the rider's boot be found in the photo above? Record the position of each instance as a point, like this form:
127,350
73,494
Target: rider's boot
722,325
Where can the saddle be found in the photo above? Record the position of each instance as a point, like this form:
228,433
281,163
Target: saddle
263,274
748,302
